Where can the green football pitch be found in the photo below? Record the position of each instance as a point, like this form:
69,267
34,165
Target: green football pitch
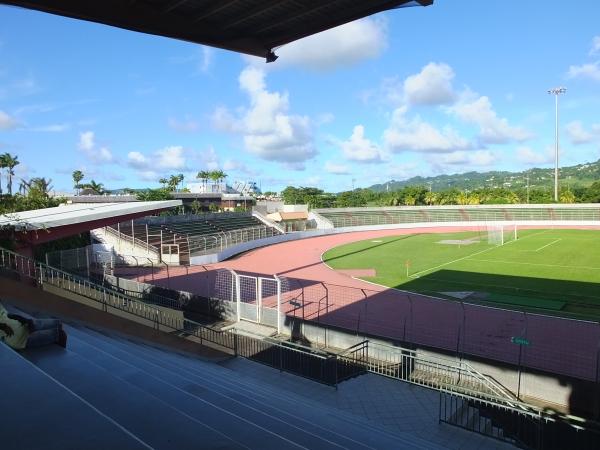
548,271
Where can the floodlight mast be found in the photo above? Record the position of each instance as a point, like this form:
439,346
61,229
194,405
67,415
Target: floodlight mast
556,92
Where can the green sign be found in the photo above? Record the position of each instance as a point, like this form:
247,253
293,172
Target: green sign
519,340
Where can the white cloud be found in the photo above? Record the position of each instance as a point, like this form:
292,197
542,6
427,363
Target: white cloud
313,181
7,122
342,46
223,120
186,125
54,128
235,165
528,156
336,169
577,134
137,160
595,45
21,87
431,86
209,158
402,171
87,144
492,129
591,71
325,118
419,136
206,59
201,59
359,148
86,140
479,158
170,159
268,130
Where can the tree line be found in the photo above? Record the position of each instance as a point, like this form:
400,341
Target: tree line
421,195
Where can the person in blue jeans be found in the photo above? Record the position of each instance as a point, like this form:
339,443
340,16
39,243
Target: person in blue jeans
21,332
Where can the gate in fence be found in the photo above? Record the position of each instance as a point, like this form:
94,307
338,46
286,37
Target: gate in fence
256,299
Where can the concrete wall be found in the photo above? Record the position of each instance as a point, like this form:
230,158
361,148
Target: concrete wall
268,222
556,392
250,245
125,249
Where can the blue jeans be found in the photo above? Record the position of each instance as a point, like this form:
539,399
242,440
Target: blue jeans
45,331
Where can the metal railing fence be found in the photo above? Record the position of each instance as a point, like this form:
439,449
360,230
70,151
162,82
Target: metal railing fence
133,240
210,243
433,372
520,424
502,418
304,361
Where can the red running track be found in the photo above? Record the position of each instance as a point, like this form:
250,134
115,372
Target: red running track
557,345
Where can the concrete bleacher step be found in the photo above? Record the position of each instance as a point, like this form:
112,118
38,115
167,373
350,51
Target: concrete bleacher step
144,415
40,413
309,422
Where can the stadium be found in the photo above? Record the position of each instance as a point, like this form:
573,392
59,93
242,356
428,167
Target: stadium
199,319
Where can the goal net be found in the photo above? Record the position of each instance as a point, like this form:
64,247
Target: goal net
500,234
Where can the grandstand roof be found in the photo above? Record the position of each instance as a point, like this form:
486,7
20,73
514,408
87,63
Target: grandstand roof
255,27
72,214
282,215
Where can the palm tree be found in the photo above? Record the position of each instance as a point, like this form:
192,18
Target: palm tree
410,200
24,186
567,197
204,175
180,178
77,177
10,163
462,198
474,199
222,175
98,188
430,198
173,182
41,185
164,182
511,197
2,166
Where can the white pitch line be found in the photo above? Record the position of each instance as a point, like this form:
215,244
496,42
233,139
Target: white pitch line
558,266
416,275
547,245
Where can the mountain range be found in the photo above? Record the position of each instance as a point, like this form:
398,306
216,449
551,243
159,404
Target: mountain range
579,175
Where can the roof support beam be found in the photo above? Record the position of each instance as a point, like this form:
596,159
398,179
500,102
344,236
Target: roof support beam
256,11
218,6
173,4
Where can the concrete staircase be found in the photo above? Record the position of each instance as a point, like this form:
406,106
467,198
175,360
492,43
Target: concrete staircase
106,391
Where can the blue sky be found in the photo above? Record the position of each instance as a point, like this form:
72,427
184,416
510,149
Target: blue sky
457,86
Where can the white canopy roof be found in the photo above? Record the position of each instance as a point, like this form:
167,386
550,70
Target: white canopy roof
79,213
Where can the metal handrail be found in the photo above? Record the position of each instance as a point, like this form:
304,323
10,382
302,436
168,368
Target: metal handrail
451,367
43,273
226,239
133,240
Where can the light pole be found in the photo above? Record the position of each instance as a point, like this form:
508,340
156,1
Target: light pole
556,92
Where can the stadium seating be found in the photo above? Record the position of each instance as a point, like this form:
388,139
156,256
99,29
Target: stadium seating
352,217
200,234
106,391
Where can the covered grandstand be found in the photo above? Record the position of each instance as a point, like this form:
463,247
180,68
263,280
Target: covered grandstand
189,235
398,215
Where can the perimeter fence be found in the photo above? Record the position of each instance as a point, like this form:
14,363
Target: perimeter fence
553,344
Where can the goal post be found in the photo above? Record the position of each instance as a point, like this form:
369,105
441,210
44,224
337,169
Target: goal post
501,233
